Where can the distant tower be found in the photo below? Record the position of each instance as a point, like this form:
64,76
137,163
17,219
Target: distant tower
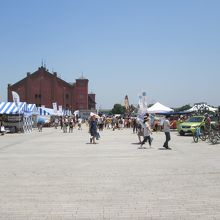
126,103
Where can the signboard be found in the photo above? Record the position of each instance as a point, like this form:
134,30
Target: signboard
13,118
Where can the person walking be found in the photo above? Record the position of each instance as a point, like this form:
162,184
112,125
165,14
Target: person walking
65,124
40,125
93,129
71,125
140,132
147,133
135,125
166,129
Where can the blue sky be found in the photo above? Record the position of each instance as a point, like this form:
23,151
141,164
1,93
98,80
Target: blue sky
168,48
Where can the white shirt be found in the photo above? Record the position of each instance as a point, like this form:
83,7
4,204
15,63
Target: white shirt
147,130
166,125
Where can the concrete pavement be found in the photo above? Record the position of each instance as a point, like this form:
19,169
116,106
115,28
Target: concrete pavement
57,176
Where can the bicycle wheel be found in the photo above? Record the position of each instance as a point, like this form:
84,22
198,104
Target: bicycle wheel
203,136
212,134
195,137
214,139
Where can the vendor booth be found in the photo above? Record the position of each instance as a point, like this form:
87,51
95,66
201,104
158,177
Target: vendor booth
158,108
201,108
16,118
47,116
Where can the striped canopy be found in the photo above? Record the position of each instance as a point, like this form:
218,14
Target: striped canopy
11,108
32,108
46,111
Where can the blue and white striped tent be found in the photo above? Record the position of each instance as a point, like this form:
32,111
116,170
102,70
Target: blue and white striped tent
32,108
45,111
11,108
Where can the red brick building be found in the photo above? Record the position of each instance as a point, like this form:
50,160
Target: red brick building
44,88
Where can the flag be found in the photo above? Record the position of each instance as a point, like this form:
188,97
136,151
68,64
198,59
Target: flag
60,110
142,103
76,113
55,107
144,100
16,98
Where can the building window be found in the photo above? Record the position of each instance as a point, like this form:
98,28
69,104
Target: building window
81,84
38,100
81,96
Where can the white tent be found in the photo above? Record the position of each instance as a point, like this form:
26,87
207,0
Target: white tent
159,108
203,107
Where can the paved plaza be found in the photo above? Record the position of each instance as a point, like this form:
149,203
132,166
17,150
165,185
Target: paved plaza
57,176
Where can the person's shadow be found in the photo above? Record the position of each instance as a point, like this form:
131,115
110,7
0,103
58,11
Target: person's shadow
137,143
163,148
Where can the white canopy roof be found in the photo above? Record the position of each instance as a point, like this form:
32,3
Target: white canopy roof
198,107
159,108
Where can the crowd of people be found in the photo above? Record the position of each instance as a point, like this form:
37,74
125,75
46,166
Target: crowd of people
143,127
95,123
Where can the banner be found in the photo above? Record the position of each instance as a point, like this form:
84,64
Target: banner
142,102
60,110
55,107
16,98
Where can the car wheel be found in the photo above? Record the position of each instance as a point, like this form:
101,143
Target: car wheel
182,133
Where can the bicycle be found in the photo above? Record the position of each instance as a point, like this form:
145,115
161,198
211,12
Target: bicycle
214,136
198,134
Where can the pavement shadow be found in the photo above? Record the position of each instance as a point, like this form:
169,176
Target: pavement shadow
162,148
137,143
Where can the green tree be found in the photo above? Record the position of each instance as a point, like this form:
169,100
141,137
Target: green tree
183,108
118,109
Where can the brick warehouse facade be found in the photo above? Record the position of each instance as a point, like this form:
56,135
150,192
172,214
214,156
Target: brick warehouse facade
44,88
